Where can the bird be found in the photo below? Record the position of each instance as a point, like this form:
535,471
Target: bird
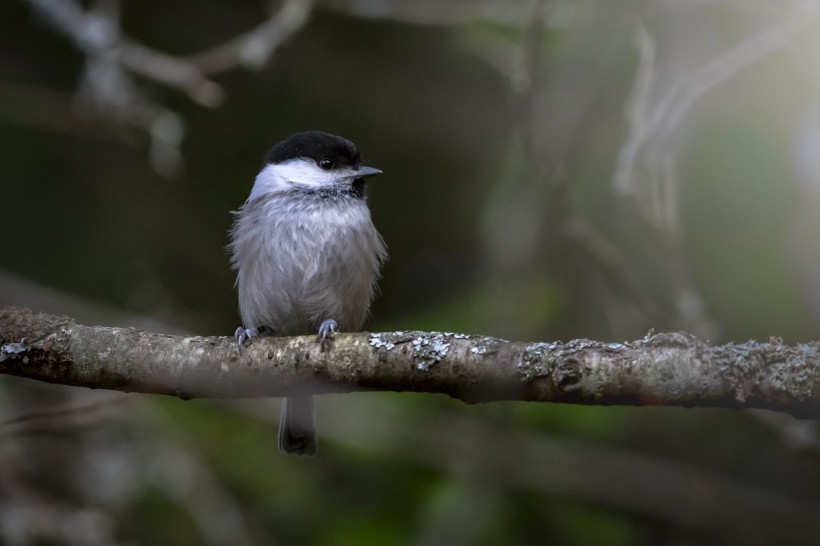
307,255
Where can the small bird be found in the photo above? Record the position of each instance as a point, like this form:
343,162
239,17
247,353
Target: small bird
307,255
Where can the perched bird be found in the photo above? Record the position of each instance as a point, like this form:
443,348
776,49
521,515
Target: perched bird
307,255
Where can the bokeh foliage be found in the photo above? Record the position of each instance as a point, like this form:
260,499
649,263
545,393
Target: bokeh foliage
500,133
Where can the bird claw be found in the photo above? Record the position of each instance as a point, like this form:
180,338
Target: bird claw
327,331
243,334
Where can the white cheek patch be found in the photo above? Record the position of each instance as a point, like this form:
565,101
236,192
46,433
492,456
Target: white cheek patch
279,176
304,171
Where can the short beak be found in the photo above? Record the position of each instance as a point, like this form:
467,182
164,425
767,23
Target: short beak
363,171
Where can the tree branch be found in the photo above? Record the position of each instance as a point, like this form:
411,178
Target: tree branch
672,369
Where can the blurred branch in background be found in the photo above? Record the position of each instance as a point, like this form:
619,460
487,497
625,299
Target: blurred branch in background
493,457
110,89
661,369
658,109
481,460
114,61
532,220
129,469
662,98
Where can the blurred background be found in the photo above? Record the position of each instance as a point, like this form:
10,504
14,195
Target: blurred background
553,169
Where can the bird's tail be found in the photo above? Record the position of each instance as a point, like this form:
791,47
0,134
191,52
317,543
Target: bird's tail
297,431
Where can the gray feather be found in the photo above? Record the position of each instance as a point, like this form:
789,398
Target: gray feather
305,250
302,258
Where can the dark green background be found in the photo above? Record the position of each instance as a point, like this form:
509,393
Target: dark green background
482,177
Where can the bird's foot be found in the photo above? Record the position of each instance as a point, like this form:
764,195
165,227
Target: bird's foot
327,331
243,334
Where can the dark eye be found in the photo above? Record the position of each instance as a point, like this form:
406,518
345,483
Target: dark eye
326,164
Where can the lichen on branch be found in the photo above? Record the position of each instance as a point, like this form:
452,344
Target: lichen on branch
669,369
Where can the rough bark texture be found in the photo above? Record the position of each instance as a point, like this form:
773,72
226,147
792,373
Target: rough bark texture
673,369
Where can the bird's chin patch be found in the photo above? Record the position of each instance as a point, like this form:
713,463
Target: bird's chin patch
359,188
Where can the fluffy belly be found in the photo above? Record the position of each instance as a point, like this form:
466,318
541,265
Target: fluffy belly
322,265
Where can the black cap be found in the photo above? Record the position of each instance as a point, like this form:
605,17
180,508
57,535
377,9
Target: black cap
318,146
